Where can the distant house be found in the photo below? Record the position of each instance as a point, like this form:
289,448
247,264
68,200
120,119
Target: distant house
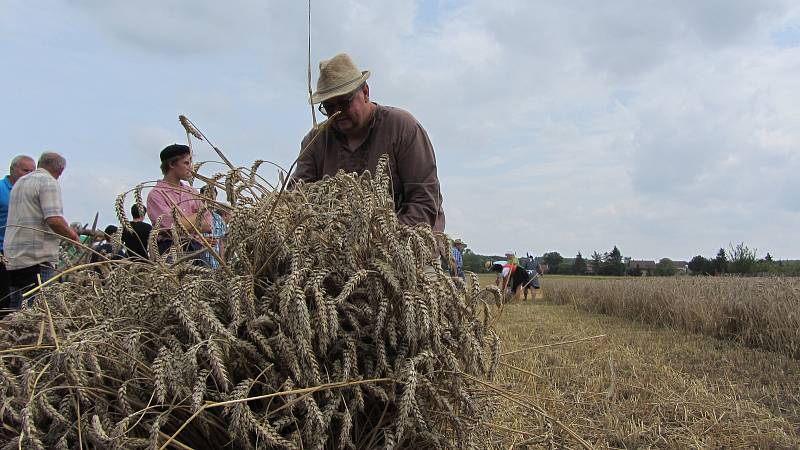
681,266
646,267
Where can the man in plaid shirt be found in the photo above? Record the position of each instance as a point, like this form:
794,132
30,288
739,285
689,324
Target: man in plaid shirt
457,269
35,222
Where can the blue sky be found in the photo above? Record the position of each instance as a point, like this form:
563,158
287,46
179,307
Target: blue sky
667,129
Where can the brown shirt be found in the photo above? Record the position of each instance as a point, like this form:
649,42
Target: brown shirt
412,162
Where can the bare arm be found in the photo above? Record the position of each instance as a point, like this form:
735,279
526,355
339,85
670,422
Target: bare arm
189,222
60,226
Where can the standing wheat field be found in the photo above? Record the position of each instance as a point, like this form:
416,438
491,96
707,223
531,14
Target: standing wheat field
758,312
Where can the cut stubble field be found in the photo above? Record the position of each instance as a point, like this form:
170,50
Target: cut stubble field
614,383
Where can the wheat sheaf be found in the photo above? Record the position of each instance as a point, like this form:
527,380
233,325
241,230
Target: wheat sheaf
329,325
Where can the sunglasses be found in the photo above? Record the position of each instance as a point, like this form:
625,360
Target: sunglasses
328,109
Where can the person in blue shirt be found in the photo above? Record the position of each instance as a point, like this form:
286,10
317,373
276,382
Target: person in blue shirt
20,166
218,229
457,266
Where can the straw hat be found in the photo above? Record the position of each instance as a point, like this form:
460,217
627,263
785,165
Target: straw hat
459,241
337,76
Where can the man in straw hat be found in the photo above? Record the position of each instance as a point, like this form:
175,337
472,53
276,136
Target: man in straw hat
361,132
457,263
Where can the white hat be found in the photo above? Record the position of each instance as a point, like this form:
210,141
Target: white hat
337,76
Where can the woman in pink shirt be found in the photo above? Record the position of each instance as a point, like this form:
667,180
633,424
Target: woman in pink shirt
171,192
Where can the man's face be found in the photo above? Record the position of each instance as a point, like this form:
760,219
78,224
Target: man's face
23,167
355,115
183,167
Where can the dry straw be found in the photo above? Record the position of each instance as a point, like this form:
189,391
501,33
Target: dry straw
333,326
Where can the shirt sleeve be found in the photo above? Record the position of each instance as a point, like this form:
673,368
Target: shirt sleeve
306,169
416,167
50,199
158,206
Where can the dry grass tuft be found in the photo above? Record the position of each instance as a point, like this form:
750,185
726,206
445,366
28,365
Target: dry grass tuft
331,326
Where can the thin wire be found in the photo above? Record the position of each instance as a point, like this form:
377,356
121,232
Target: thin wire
313,113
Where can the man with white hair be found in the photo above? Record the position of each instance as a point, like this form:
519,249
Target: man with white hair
361,132
21,165
35,222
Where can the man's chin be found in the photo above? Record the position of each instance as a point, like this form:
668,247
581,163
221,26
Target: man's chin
343,126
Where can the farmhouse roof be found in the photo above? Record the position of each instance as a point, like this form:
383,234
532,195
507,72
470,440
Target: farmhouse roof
642,264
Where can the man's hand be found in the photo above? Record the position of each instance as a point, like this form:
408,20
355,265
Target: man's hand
190,222
60,226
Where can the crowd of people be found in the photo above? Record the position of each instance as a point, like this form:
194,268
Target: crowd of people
516,277
34,227
358,131
34,223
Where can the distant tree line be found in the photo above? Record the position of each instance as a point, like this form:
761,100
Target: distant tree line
739,259
609,263
742,260
477,263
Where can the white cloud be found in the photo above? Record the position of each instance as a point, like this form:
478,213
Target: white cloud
668,129
487,163
148,140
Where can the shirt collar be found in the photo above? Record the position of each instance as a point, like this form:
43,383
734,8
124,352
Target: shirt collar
44,171
164,183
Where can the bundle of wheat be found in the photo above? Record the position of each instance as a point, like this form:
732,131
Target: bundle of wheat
328,325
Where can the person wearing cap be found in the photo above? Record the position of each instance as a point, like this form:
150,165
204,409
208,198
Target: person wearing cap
361,132
171,192
511,258
457,263
36,226
534,269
